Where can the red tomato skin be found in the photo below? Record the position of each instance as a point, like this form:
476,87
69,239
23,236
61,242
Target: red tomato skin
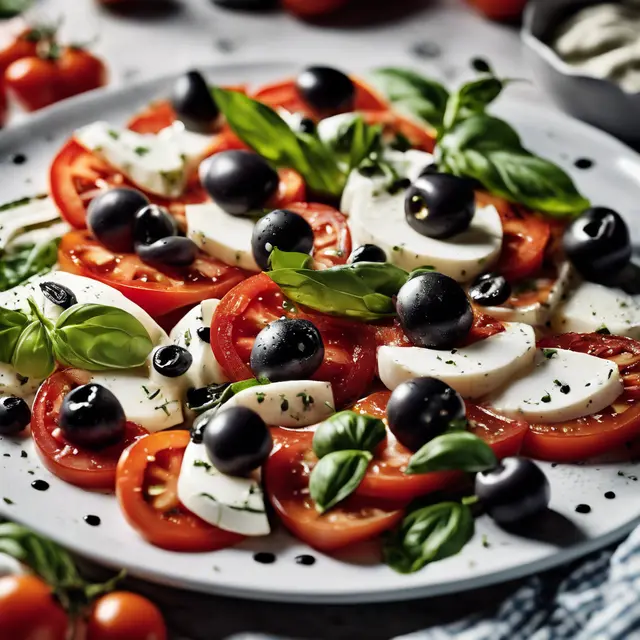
313,8
33,82
80,71
500,9
23,44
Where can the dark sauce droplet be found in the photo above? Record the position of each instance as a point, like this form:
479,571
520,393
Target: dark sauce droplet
480,65
305,560
583,508
92,521
584,163
40,485
18,158
264,557
609,495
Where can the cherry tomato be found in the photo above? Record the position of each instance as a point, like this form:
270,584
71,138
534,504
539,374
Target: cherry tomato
157,291
87,468
154,461
386,478
313,8
34,82
29,610
349,361
18,41
122,615
500,9
79,71
286,477
605,431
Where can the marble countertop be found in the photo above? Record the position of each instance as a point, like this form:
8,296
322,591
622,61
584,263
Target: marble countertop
439,37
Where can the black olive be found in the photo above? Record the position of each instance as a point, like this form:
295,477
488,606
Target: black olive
15,415
193,102
306,125
438,205
287,350
515,490
283,229
490,290
110,217
204,398
91,416
247,5
326,89
204,333
172,361
58,294
153,223
237,440
176,251
421,409
598,244
368,253
434,311
239,181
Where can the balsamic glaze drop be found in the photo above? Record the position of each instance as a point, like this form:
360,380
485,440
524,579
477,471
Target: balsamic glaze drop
92,521
18,158
40,485
305,560
264,557
583,508
609,495
583,163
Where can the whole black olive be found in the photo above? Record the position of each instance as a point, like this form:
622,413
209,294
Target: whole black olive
172,361
15,415
58,294
490,290
153,223
326,89
193,102
175,251
367,253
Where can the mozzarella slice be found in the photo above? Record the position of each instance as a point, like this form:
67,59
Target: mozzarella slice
380,219
563,385
222,235
9,566
13,384
15,220
591,307
158,163
536,314
472,371
231,503
205,369
294,403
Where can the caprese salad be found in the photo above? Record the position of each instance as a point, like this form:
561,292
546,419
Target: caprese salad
324,302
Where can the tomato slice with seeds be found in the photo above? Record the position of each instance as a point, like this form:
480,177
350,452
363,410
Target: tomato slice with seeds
420,136
147,491
157,291
386,478
605,431
349,360
286,477
86,468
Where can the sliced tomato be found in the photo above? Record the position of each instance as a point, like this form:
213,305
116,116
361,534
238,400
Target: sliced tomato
286,477
420,136
147,491
350,358
386,478
157,292
331,236
87,468
602,432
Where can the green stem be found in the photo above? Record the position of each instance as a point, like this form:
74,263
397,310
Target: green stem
470,500
45,322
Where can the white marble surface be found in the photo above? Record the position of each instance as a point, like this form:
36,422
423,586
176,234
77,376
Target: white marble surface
188,33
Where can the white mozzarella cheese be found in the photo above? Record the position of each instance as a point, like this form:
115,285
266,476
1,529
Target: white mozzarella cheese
563,385
159,163
231,503
380,219
13,384
9,566
473,371
222,235
205,369
40,235
294,403
15,220
591,307
536,314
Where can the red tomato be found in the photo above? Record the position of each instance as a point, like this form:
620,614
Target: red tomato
80,71
605,431
386,478
29,610
313,8
160,518
34,82
500,9
157,291
3,106
122,615
286,477
420,136
349,360
526,236
20,42
87,468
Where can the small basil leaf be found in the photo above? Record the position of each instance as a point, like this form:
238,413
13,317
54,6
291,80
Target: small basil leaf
348,430
337,476
453,451
12,324
25,261
428,534
289,260
420,271
215,395
354,141
10,8
472,97
33,355
98,337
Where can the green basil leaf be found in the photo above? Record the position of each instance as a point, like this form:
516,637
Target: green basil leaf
337,476
33,355
288,260
10,8
12,324
453,451
472,97
218,394
427,535
26,261
98,337
412,93
348,430
354,141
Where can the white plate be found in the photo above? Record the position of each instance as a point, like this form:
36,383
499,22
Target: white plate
492,556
